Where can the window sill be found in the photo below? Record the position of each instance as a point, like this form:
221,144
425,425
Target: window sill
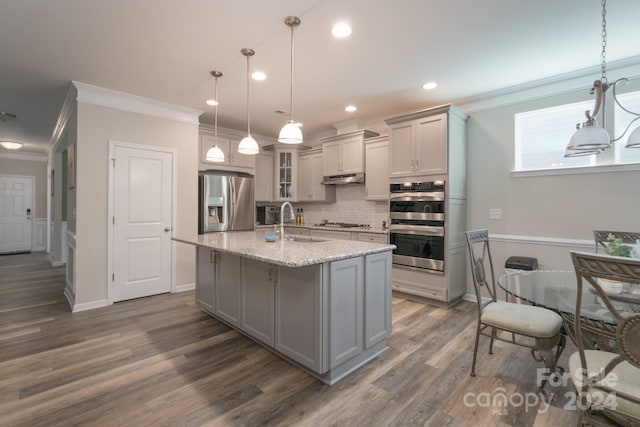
627,167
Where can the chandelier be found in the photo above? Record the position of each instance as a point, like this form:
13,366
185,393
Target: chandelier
591,138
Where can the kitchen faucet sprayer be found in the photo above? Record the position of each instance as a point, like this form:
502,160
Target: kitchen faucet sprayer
291,217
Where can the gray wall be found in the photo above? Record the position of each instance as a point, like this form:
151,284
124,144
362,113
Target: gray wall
542,216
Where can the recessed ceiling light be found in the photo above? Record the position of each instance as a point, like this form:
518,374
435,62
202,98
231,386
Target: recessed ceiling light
258,75
11,145
350,108
212,102
341,30
429,85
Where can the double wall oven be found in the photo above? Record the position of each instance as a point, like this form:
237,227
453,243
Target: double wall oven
417,214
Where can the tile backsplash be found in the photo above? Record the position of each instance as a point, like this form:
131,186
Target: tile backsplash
350,206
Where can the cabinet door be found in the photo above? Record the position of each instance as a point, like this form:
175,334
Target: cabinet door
401,150
227,287
264,178
286,175
331,158
205,278
353,155
346,300
240,160
431,145
305,190
257,300
298,319
377,170
377,298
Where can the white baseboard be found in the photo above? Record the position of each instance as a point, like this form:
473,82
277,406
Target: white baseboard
185,287
55,263
69,296
89,305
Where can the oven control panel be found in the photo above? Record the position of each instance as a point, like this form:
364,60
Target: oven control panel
425,186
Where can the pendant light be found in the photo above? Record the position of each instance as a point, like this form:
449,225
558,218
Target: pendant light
248,145
290,132
591,138
215,154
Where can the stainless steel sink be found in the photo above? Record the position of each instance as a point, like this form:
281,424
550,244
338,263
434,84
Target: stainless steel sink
304,239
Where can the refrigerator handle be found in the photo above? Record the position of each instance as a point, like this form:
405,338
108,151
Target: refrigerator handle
232,202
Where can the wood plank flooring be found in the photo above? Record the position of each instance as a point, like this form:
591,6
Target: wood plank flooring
161,361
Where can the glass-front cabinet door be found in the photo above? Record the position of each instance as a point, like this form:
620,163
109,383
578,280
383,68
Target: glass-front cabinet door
286,174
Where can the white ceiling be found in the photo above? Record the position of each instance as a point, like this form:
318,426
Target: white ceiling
165,50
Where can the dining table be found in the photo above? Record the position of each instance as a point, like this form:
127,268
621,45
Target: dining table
557,290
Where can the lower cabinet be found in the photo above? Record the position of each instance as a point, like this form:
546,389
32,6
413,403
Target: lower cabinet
298,315
346,301
227,277
329,318
257,300
205,263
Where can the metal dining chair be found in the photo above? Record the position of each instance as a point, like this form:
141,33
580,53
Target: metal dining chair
607,383
539,326
601,238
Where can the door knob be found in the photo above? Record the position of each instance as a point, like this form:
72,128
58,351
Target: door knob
167,229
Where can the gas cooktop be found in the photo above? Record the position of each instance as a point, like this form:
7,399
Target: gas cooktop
342,225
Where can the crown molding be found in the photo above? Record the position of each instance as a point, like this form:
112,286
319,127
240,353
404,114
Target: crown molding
556,85
136,104
32,157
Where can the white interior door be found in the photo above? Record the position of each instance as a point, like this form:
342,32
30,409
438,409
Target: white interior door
142,189
16,212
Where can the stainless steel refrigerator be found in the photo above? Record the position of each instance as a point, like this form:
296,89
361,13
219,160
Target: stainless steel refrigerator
225,202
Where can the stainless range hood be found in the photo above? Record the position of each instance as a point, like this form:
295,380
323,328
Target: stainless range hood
350,178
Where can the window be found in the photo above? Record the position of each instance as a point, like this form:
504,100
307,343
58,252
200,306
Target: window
541,136
630,101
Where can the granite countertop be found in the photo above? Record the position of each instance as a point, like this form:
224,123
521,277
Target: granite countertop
374,230
289,253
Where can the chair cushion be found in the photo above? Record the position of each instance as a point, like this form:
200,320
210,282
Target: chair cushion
522,319
624,377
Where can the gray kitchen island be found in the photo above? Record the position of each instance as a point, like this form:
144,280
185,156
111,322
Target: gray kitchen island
324,305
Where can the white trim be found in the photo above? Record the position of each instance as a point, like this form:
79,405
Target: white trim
563,83
63,119
25,155
89,305
185,287
55,263
70,278
110,208
39,235
628,167
136,104
547,241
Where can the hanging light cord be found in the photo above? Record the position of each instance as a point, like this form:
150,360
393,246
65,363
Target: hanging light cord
291,82
248,98
215,120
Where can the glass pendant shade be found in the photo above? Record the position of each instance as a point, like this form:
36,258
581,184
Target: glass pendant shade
248,145
589,137
290,134
215,154
634,139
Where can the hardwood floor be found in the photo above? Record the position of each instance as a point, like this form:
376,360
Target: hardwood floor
162,361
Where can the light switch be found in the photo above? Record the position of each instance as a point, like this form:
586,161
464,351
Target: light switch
495,213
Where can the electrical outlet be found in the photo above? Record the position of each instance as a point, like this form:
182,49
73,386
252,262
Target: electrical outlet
495,213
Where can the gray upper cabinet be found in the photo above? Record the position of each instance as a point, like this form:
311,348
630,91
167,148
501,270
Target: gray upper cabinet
427,142
264,177
344,153
310,188
377,168
233,161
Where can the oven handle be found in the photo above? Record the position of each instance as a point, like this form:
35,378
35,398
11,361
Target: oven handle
422,230
436,196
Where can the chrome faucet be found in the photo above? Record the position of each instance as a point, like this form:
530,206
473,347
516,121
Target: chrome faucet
291,217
